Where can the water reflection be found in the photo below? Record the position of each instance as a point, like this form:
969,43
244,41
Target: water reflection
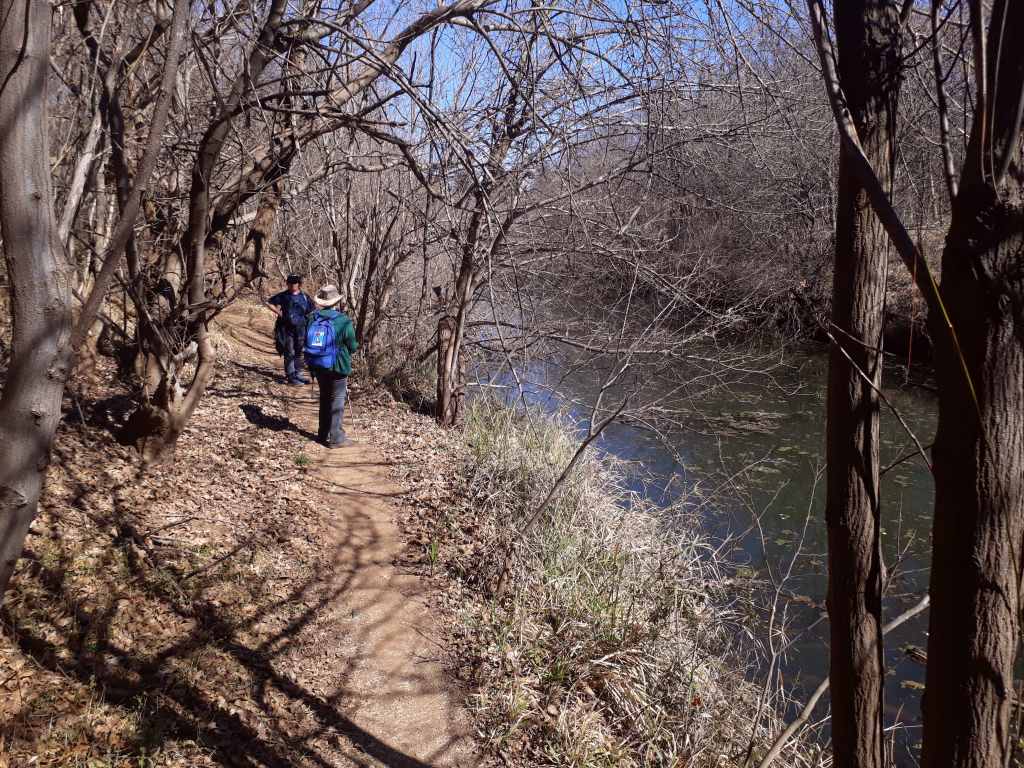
754,445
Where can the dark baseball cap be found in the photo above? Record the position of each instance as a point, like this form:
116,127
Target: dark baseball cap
293,279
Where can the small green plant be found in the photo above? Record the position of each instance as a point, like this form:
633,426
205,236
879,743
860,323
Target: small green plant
302,461
433,553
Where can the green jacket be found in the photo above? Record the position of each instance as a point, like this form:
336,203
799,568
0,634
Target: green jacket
344,335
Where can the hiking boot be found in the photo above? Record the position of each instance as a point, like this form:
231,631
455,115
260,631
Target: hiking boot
301,379
345,442
294,383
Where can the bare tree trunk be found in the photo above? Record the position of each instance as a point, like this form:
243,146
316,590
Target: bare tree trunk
373,260
99,223
451,367
87,158
867,33
449,405
123,233
39,276
979,447
158,421
249,266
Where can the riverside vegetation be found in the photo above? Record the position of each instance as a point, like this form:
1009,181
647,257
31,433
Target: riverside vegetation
616,640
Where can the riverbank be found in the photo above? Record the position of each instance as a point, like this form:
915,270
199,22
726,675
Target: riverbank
615,639
744,304
209,612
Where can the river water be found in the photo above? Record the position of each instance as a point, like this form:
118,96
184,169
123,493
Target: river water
753,444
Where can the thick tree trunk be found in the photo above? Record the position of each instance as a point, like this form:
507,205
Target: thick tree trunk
867,33
39,276
249,266
979,447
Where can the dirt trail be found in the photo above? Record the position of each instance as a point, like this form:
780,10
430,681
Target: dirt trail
404,709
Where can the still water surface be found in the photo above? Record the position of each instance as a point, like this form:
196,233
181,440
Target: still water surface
766,433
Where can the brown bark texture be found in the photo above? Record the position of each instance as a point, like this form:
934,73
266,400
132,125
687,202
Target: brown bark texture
451,331
40,278
979,446
449,401
867,33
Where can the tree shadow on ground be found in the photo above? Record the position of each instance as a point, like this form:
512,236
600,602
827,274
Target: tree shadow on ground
270,374
414,398
174,698
254,414
213,649
217,649
107,413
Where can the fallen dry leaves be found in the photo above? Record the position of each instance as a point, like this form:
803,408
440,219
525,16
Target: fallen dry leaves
177,617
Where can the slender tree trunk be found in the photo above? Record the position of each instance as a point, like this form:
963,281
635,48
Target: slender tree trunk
867,33
172,395
373,260
39,276
451,367
979,446
446,410
382,303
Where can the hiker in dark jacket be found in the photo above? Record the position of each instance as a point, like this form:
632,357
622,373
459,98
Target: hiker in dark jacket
291,307
330,342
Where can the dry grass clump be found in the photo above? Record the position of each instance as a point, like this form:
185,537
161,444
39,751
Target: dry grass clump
612,643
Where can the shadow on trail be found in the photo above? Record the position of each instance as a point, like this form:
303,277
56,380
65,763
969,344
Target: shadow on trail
178,700
256,415
230,655
109,413
270,374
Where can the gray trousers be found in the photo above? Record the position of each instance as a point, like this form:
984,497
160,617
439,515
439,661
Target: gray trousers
333,388
294,341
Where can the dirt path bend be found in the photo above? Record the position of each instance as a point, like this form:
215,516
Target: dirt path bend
376,633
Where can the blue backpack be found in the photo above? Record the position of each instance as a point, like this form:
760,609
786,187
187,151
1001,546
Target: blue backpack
321,348
298,307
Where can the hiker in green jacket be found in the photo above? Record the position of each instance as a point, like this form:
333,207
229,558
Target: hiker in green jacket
330,342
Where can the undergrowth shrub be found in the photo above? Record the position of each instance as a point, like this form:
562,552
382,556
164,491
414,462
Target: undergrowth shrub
614,640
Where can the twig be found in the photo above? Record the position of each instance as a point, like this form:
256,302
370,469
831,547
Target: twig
783,738
172,524
878,391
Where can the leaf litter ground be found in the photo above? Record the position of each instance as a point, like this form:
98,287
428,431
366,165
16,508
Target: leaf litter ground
182,616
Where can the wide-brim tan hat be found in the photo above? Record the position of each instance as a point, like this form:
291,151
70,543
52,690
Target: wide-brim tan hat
327,296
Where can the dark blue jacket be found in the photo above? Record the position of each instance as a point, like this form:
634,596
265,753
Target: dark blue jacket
294,308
